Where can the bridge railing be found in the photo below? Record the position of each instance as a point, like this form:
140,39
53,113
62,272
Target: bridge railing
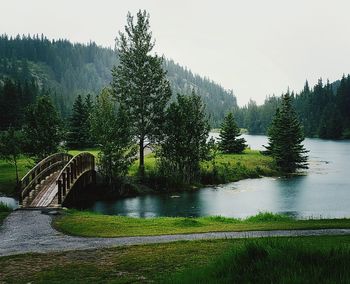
74,169
40,171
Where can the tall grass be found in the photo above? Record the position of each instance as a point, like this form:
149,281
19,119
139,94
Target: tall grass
274,261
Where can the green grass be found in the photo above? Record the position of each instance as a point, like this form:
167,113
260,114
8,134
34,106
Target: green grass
150,165
89,224
234,167
218,259
274,261
228,167
92,151
4,212
8,175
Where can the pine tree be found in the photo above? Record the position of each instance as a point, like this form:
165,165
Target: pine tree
78,136
77,120
285,139
88,105
42,129
139,81
229,136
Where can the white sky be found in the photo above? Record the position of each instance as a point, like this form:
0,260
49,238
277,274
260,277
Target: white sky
255,48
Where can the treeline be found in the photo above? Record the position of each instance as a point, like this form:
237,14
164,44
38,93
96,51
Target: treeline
324,110
15,97
71,69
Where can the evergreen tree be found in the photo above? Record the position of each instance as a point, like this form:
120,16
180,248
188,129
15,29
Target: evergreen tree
139,81
76,135
184,142
229,136
111,130
88,105
285,139
42,129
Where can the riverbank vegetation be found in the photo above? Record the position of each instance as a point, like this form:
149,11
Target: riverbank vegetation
313,259
89,224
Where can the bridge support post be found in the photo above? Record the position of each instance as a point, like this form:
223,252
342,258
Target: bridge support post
59,193
71,173
64,185
68,178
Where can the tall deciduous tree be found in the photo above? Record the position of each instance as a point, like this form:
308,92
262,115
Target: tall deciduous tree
139,81
229,136
285,139
184,142
42,129
111,130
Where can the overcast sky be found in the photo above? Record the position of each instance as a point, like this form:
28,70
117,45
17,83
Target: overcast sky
256,48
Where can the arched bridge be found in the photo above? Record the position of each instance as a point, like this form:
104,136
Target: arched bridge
51,180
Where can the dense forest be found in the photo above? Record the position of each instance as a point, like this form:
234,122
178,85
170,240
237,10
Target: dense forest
323,110
66,70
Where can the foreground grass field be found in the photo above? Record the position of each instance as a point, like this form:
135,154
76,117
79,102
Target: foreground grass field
278,260
90,224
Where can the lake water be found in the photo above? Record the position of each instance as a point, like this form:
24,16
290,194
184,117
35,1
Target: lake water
324,191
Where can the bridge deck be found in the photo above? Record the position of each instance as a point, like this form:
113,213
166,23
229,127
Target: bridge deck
46,192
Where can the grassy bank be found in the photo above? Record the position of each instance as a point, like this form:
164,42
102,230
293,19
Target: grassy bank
96,225
234,167
314,259
225,168
4,212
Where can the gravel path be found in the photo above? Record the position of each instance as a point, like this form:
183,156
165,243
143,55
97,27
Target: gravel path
27,231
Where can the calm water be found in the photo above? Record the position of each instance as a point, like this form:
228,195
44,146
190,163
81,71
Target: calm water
323,191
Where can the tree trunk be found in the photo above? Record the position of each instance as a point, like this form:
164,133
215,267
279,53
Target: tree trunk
142,160
16,167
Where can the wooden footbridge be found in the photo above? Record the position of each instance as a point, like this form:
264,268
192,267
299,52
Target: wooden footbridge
50,181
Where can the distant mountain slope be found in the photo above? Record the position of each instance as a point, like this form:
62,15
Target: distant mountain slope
70,69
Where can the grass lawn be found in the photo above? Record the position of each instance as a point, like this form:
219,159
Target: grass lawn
8,175
92,151
278,260
82,223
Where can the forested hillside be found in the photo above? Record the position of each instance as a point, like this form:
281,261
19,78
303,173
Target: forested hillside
36,64
323,110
